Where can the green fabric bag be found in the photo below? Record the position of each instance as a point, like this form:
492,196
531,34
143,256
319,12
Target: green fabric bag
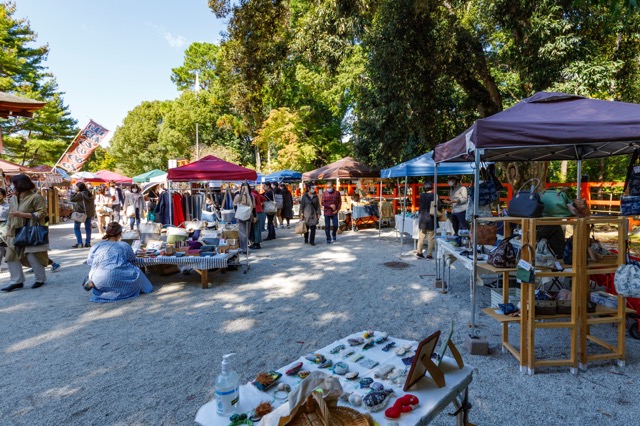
555,203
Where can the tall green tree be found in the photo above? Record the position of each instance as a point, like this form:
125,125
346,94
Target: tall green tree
42,139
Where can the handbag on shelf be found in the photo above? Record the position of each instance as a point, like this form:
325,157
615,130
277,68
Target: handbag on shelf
503,256
630,205
31,235
556,203
579,207
545,257
597,253
487,194
567,253
301,227
627,278
487,234
632,182
523,274
526,203
242,212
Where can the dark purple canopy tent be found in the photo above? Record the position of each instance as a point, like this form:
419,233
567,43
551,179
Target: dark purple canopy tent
545,127
549,126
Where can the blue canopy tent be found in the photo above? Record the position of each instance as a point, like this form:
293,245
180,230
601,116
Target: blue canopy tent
423,165
286,176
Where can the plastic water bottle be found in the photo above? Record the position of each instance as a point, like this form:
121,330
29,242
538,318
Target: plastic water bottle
227,389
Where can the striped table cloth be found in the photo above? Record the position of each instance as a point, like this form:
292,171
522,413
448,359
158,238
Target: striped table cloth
195,262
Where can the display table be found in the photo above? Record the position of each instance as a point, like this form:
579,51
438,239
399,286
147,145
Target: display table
433,400
202,265
410,226
446,254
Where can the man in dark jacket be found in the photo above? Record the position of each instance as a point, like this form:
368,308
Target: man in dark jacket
426,221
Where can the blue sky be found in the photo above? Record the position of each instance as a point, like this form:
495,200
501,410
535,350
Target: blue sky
109,56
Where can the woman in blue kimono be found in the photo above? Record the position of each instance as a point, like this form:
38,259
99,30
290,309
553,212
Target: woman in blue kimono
113,277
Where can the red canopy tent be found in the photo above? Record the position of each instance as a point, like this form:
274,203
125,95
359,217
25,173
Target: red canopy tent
210,168
112,176
11,169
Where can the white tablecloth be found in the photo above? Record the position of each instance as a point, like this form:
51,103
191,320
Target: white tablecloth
195,262
411,226
432,399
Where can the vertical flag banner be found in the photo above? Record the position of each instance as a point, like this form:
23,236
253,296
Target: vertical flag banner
82,147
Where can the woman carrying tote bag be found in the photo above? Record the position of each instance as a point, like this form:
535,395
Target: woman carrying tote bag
26,207
85,204
243,201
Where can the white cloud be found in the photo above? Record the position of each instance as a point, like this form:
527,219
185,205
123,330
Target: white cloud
173,40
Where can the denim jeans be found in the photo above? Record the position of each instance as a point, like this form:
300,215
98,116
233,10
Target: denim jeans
87,229
135,220
271,227
328,220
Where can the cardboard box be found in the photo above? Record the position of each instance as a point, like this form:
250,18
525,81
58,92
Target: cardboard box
233,244
230,234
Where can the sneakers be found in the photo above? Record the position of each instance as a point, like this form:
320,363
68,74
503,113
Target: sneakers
77,246
87,245
55,266
328,241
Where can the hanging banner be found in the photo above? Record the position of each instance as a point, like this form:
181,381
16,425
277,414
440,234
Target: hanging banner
82,147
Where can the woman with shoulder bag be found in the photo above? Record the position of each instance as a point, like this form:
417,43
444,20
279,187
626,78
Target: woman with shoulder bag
103,204
85,210
134,206
310,213
271,215
27,207
426,220
244,198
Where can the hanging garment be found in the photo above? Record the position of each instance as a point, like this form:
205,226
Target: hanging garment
178,215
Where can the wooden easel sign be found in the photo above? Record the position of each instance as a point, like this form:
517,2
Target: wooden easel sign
422,363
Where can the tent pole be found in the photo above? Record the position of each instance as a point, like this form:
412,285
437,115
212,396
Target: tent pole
435,199
380,218
476,199
404,215
579,180
170,203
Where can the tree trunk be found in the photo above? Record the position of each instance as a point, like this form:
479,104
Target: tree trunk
520,172
564,169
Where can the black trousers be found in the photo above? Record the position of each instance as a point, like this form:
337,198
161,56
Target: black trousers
310,235
459,221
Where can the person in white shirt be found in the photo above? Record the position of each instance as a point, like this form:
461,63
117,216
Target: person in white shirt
458,197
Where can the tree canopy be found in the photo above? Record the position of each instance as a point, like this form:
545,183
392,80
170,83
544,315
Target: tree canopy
300,83
43,138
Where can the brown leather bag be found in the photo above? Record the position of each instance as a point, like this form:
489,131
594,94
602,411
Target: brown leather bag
487,234
579,207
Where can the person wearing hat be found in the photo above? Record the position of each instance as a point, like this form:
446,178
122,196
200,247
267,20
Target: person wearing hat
426,221
458,197
112,276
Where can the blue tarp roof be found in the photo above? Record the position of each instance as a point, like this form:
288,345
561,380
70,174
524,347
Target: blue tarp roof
425,166
283,176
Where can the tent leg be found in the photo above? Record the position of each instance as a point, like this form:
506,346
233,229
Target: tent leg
380,218
579,180
404,214
247,228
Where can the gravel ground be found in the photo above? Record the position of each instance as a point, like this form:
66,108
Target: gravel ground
153,360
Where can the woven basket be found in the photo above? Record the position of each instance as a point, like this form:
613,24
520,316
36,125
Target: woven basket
316,413
596,257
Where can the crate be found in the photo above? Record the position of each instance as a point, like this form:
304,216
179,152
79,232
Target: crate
546,307
496,296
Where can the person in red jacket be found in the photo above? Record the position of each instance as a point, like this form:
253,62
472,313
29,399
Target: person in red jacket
258,226
331,202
